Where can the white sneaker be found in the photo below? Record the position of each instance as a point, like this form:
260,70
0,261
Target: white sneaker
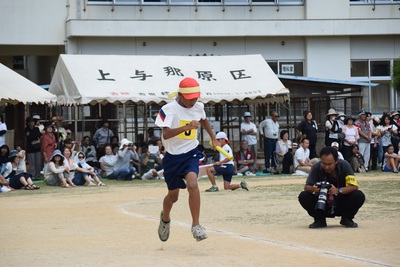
250,174
198,233
239,174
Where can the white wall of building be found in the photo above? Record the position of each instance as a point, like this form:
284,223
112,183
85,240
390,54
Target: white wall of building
328,57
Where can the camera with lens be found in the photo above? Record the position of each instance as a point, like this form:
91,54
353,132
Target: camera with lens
325,203
130,145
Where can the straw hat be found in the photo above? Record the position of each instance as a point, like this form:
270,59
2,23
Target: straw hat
331,111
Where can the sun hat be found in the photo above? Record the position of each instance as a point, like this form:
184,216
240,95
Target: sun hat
341,114
295,145
124,142
57,153
13,153
222,135
393,113
36,117
335,144
331,111
189,88
247,114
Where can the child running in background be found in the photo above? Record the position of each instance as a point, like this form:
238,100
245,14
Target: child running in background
390,160
224,167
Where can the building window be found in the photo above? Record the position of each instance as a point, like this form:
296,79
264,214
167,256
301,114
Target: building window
19,63
359,68
380,68
274,66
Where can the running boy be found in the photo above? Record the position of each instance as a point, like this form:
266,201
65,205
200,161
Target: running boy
224,167
179,121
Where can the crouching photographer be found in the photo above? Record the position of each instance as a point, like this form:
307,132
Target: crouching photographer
331,190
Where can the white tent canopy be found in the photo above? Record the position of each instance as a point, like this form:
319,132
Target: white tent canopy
15,88
91,79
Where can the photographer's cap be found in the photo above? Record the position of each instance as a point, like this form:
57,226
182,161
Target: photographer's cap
335,144
125,142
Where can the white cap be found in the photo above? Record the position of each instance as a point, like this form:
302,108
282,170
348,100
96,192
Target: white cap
335,144
247,114
124,142
36,117
222,135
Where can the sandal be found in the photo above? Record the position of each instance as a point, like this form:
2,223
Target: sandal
101,184
33,186
65,185
91,184
28,187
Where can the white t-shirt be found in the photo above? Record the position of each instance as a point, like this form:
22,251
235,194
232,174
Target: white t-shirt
250,138
228,150
22,164
173,115
300,154
269,128
3,127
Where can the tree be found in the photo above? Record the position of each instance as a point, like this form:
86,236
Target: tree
396,75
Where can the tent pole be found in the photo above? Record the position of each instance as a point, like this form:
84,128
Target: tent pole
124,118
76,123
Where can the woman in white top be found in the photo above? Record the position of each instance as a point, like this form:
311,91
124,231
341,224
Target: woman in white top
387,129
352,136
55,173
70,164
282,147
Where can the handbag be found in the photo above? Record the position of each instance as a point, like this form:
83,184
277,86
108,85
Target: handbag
341,136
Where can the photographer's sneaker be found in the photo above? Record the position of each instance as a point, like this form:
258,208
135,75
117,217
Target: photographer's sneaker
244,185
318,223
163,229
198,233
349,223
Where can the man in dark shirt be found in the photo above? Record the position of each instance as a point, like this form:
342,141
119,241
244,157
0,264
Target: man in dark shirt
343,197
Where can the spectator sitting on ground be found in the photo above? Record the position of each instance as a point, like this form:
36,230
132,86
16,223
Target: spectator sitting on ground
85,173
355,159
301,160
73,146
336,145
54,175
122,168
287,163
147,164
283,146
17,178
244,160
70,164
391,160
4,185
90,152
107,162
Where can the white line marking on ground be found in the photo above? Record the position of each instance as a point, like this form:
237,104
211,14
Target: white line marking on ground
258,239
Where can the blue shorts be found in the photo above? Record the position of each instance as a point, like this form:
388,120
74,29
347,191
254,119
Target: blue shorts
386,169
226,170
177,166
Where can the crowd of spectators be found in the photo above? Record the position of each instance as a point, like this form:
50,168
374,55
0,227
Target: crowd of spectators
366,143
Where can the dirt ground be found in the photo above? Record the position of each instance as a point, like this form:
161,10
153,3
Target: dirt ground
117,226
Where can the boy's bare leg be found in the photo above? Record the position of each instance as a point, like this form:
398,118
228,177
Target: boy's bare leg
169,201
194,197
